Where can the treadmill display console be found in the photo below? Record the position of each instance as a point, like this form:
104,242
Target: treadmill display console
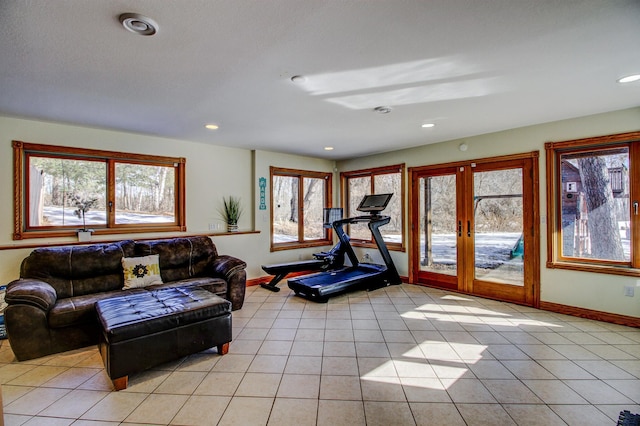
374,203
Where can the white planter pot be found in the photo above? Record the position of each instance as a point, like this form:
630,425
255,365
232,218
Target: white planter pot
84,236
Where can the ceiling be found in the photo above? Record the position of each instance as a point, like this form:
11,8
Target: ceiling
468,66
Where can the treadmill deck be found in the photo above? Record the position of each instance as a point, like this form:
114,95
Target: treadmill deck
325,284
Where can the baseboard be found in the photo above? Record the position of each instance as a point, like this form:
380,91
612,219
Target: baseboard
265,279
258,281
590,314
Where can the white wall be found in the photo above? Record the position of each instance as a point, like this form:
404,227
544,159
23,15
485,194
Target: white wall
581,289
211,173
264,160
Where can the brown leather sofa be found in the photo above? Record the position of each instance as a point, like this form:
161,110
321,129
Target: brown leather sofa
51,306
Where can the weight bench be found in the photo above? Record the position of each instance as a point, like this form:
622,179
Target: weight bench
281,270
146,329
322,261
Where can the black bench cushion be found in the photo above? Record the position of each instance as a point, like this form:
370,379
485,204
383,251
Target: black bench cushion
127,317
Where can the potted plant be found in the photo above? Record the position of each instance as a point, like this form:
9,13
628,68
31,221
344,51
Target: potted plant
231,212
82,207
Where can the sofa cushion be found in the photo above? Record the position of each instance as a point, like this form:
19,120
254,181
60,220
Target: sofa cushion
81,309
77,310
79,270
181,258
216,286
141,271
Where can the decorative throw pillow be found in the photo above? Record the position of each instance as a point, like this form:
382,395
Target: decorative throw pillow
141,271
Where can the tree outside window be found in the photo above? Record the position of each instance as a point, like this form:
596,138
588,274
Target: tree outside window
593,208
298,200
382,180
129,192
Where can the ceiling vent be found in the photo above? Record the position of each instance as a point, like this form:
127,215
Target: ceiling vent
138,24
382,109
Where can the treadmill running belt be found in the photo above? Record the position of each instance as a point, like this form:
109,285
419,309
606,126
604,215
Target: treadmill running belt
324,284
342,275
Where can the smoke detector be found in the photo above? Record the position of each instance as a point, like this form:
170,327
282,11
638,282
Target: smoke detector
138,24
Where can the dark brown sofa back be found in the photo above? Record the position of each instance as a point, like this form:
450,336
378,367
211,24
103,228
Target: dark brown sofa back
79,270
181,258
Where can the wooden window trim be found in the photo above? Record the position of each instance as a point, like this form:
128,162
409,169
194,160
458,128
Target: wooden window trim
20,178
553,150
372,172
328,190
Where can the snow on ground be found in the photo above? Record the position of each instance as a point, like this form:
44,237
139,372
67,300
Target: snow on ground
67,217
491,249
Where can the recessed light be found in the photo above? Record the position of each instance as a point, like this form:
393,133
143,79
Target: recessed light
211,126
629,78
298,79
428,125
138,24
328,148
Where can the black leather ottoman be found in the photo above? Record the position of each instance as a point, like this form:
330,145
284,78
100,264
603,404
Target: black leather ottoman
143,330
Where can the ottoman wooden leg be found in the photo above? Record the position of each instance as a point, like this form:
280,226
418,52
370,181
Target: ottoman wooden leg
223,349
121,383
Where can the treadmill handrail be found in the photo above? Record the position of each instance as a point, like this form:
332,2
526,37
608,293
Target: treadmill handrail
375,222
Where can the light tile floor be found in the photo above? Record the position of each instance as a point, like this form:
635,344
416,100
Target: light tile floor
402,355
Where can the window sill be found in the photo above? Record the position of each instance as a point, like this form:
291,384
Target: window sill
292,246
598,269
222,234
103,241
366,244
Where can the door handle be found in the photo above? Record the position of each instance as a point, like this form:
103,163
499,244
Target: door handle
635,208
468,228
459,228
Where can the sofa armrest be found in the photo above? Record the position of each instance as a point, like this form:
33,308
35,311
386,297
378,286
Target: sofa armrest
233,271
227,266
31,292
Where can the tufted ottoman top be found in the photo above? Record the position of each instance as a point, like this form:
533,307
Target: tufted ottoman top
141,314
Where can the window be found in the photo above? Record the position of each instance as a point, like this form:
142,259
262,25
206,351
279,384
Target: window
122,192
593,204
298,200
358,183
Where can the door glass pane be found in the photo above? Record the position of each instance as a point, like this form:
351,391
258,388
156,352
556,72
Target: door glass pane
358,188
595,205
285,209
313,208
438,251
144,194
58,187
389,183
498,218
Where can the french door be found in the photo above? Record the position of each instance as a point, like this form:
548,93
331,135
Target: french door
475,227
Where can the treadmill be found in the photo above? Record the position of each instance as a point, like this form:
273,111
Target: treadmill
320,286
